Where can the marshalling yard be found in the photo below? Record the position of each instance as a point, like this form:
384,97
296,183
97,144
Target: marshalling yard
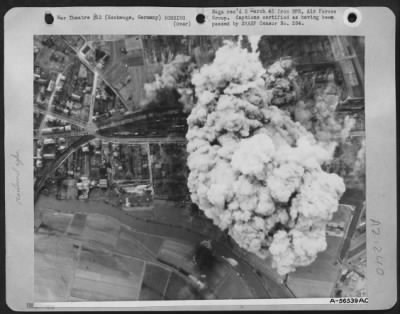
113,216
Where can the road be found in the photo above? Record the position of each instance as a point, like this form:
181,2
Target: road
153,227
350,232
93,96
245,270
353,198
71,149
150,259
63,134
47,111
58,116
87,138
91,68
164,230
91,127
50,103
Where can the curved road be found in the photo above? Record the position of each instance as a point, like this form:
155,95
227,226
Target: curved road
246,271
154,227
57,163
147,226
165,230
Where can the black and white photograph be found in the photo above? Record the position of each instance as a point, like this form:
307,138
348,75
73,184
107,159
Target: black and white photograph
200,158
199,167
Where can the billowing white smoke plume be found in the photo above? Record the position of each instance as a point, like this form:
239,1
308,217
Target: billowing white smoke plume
254,39
253,170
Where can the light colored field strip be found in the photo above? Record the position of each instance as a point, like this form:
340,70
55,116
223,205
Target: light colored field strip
117,253
166,285
98,278
136,231
169,268
165,267
102,286
76,265
120,223
142,277
90,275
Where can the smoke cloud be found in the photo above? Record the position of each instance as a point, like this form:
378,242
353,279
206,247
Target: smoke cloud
175,76
254,170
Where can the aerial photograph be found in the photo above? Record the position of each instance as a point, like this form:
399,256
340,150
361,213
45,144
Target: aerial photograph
198,167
